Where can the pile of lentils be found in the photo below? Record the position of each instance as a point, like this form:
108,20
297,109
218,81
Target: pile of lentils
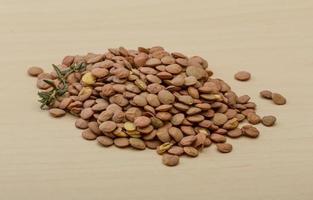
150,98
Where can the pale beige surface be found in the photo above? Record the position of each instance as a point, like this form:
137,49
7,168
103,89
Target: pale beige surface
45,158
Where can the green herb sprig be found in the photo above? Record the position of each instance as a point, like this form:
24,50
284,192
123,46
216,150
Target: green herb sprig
47,98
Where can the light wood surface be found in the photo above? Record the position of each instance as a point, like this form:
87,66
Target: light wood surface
46,158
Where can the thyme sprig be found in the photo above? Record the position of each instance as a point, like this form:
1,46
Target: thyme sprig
47,98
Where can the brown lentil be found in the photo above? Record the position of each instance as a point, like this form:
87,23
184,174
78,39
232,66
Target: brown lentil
268,120
88,135
56,112
137,143
142,121
278,99
121,142
81,123
34,71
176,150
253,118
107,126
224,147
105,141
266,94
242,76
250,131
234,133
170,160
191,151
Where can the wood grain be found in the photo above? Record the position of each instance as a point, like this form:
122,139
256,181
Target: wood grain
45,158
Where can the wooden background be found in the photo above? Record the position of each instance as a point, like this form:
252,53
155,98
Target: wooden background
45,158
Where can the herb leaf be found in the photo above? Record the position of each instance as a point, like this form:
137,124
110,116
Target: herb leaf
51,83
47,98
